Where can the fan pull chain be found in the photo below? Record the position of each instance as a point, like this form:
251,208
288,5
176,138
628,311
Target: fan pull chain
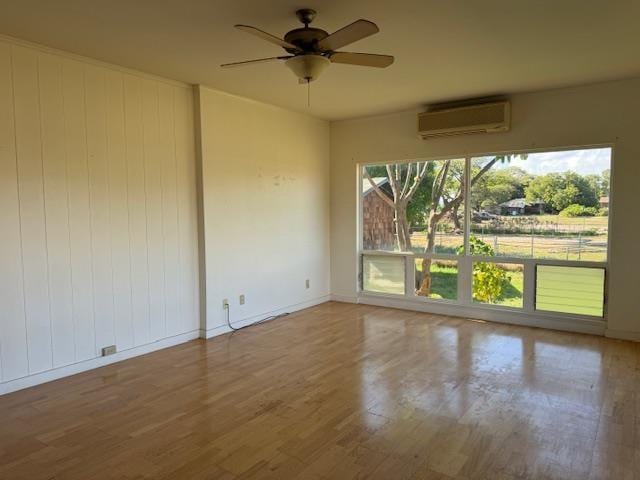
308,93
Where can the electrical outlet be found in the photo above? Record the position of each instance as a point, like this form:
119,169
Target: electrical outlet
110,350
307,283
242,299
225,304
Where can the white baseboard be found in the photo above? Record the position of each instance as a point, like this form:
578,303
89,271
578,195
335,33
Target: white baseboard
67,370
222,329
343,298
622,335
513,317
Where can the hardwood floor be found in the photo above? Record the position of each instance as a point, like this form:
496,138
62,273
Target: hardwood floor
341,391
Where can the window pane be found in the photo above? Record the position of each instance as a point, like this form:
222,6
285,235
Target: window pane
543,205
576,290
383,274
443,281
498,283
399,212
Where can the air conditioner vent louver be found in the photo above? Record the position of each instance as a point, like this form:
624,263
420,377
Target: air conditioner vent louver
484,118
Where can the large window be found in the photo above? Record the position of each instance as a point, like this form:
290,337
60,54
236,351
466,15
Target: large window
473,230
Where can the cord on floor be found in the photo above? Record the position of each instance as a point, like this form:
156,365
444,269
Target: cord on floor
259,322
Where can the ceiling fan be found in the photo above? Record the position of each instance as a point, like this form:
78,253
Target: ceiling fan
311,50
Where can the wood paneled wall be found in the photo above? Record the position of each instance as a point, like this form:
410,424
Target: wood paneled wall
98,223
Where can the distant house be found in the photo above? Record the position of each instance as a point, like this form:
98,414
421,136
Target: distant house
377,216
604,202
522,206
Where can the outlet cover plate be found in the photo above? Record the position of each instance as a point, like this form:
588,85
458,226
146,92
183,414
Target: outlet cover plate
110,350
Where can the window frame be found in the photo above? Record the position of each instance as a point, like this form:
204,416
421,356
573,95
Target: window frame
465,260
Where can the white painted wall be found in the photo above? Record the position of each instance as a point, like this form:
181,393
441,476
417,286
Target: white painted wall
587,115
266,207
97,212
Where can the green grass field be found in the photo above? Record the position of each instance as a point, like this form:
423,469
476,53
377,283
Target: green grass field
444,281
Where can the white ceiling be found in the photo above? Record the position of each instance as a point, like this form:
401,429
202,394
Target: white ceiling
444,49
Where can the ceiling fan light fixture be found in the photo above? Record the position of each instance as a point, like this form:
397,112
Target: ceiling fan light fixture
307,67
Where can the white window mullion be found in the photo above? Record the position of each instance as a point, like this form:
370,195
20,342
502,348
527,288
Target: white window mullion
465,265
410,276
529,287
467,203
465,280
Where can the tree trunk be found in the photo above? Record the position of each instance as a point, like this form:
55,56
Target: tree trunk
455,219
425,281
403,233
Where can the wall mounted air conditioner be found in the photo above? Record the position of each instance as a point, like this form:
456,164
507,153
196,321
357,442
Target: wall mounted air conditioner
482,118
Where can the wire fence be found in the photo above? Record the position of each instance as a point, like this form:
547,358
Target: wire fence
562,247
582,248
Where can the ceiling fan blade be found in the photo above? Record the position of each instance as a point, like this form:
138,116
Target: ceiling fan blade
351,33
362,59
251,62
266,36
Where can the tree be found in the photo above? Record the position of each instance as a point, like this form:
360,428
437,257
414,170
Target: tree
404,180
499,186
559,190
606,180
453,187
446,196
595,183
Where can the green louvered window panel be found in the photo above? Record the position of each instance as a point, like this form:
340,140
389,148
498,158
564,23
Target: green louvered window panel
577,290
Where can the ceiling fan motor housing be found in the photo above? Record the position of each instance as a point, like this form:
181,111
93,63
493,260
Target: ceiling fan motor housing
306,38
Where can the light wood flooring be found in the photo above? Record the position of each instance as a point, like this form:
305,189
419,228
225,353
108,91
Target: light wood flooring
341,391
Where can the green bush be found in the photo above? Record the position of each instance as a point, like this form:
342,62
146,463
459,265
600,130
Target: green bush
603,212
591,211
489,279
576,210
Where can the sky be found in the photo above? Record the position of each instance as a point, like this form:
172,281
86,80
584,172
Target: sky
584,162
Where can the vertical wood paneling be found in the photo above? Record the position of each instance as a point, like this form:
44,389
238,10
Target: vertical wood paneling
97,150
98,211
119,210
79,208
187,209
167,158
137,209
57,209
32,208
13,328
153,189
